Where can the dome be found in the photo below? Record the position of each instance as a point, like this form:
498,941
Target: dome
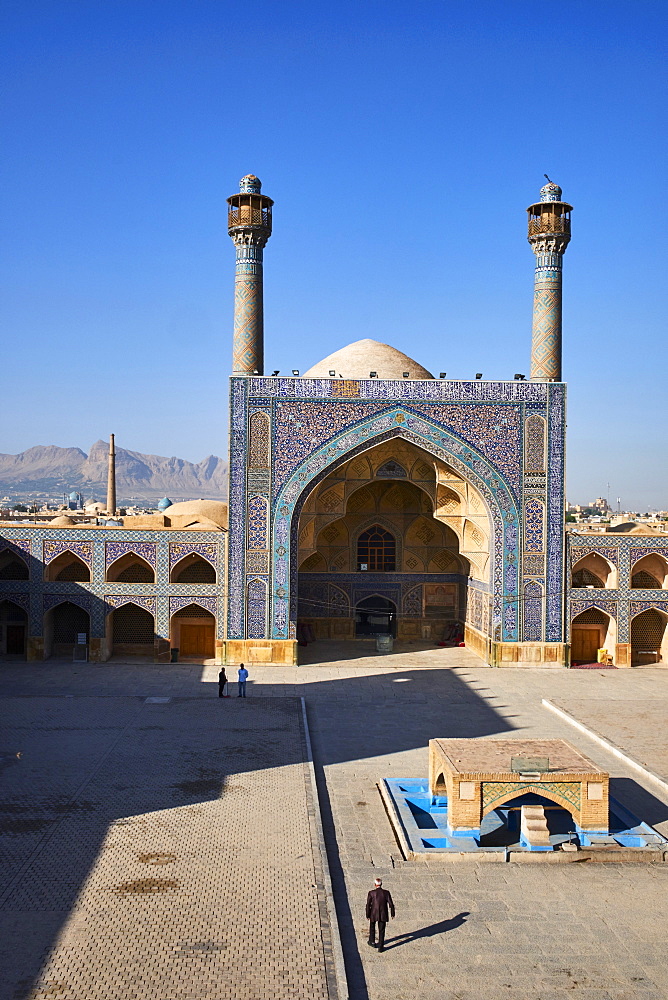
550,192
250,184
62,519
164,503
357,360
200,510
74,495
95,507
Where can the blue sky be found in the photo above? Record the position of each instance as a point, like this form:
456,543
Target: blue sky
401,142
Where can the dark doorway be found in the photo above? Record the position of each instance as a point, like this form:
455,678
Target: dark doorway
376,616
13,631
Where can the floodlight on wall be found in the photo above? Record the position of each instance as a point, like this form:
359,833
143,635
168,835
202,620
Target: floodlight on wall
295,371
478,374
442,374
332,374
275,373
373,374
519,378
406,374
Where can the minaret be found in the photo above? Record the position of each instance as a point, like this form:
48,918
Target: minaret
249,225
549,235
111,478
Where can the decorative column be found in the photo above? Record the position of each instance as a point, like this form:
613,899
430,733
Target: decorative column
249,226
549,235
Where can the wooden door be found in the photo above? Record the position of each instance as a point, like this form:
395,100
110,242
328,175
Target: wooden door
197,640
584,645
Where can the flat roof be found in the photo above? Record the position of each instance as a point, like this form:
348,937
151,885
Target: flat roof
483,756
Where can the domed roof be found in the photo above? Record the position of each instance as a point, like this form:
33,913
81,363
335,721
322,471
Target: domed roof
364,356
164,503
250,184
63,519
550,192
200,510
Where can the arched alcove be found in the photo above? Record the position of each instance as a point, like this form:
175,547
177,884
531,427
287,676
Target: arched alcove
193,569
13,566
193,632
649,637
591,630
63,624
130,568
594,570
68,567
650,572
13,631
375,615
132,631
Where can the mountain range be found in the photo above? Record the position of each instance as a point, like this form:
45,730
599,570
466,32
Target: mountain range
52,471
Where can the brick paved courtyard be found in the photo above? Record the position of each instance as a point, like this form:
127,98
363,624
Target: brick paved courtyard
466,931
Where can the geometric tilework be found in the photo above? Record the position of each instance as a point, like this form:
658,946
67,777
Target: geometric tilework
118,600
178,550
51,600
534,443
257,522
533,612
482,430
30,594
567,792
257,608
177,603
82,549
534,518
146,550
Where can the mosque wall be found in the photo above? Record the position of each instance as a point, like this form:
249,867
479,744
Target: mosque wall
133,587
622,596
504,439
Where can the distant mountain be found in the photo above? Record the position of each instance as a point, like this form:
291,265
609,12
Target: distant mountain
50,470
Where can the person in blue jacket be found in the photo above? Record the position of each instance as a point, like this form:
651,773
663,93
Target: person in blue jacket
243,677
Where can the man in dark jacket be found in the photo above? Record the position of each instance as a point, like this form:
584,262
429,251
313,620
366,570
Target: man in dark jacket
378,902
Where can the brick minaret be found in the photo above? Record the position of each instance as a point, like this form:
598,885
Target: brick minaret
111,478
249,225
549,235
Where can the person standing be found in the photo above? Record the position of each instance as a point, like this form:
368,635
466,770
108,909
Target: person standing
243,677
378,903
222,682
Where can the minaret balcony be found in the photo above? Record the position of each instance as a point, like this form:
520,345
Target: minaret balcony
549,224
246,215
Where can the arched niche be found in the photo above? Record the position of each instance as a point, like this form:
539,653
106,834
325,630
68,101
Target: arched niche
132,630
591,630
193,568
193,632
594,570
650,572
63,624
130,568
68,567
13,566
13,631
649,637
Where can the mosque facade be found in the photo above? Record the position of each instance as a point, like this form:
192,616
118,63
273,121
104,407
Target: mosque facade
368,496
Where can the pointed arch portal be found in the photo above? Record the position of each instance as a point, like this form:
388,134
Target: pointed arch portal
470,464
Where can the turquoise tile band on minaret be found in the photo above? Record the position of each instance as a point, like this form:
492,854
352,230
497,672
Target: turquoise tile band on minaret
249,226
549,236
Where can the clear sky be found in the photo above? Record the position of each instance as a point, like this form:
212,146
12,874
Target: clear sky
401,141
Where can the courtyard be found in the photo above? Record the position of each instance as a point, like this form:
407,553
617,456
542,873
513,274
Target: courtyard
159,843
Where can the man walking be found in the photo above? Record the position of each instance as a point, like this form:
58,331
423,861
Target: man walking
243,676
378,902
222,681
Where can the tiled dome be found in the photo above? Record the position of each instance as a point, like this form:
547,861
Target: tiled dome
357,360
